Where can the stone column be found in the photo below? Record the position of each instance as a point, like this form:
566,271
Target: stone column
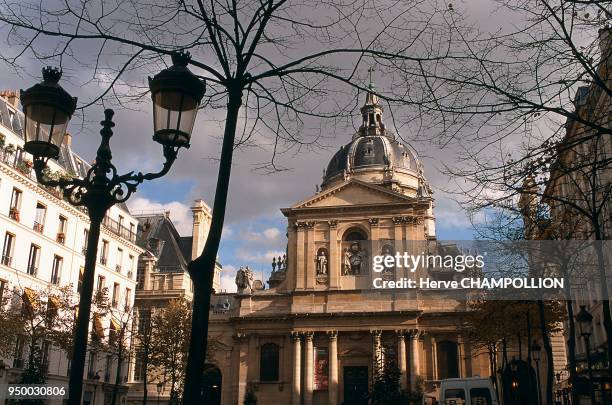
461,357
401,355
297,367
300,256
334,256
311,271
308,368
333,367
434,358
377,350
241,346
414,358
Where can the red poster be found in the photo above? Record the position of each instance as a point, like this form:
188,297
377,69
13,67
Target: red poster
321,369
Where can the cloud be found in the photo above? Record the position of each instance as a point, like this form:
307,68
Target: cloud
228,276
180,213
258,257
271,233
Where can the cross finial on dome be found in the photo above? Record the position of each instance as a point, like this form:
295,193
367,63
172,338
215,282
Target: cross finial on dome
371,112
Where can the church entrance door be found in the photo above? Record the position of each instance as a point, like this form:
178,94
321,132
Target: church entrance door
355,385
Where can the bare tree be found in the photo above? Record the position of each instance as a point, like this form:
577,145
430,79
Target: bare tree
535,98
272,64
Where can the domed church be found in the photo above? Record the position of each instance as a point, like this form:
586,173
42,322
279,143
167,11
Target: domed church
319,332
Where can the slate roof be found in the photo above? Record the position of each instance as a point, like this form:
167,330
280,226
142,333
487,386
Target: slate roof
157,234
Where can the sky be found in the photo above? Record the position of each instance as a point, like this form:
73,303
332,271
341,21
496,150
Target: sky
254,229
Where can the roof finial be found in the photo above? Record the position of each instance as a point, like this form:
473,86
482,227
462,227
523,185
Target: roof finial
370,71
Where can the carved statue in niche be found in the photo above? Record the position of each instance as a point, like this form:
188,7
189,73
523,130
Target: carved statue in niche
244,280
322,262
354,260
388,271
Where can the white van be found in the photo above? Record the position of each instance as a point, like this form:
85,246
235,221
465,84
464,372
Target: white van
464,391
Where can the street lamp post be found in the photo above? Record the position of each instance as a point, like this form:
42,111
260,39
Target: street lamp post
176,94
585,325
536,351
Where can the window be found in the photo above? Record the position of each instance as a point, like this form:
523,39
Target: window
39,219
80,282
120,221
85,238
130,271
480,396
109,365
268,364
18,355
139,367
119,260
91,364
56,269
104,252
15,204
100,284
2,290
454,394
45,349
115,299
140,279
61,229
7,250
132,235
33,260
128,298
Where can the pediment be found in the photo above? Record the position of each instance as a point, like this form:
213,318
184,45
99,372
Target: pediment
353,192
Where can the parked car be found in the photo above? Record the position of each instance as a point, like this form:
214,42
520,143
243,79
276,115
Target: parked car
464,391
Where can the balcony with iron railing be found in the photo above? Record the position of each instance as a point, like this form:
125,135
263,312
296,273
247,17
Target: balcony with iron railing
103,260
7,260
118,229
14,214
61,237
38,227
118,268
32,270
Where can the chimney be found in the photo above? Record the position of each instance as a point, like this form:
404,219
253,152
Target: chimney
12,97
201,225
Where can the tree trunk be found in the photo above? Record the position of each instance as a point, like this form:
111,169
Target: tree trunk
571,343
145,392
118,373
75,384
202,269
550,371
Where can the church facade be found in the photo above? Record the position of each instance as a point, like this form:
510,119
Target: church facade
318,333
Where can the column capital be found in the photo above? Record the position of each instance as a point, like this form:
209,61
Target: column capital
414,333
296,336
309,336
332,223
310,224
332,334
373,221
401,333
240,337
398,220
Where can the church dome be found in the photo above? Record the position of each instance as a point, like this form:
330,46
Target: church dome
375,155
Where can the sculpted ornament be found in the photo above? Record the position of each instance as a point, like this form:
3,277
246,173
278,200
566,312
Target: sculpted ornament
244,280
354,260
